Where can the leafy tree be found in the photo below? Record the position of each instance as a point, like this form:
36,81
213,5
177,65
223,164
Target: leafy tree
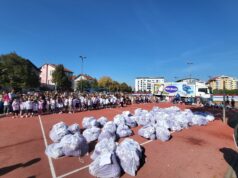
115,86
60,79
227,92
18,73
105,82
125,88
85,84
94,83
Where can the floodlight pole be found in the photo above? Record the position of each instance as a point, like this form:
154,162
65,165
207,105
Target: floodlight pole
224,104
190,75
82,59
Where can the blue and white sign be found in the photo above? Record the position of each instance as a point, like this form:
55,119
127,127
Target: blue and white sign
171,89
187,89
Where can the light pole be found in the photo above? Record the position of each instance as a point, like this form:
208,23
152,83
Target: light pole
175,78
224,101
189,64
82,58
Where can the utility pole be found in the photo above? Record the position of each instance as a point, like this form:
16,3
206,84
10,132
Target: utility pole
190,75
82,59
224,101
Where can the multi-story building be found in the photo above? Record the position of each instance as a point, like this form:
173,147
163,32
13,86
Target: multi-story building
217,83
145,83
46,74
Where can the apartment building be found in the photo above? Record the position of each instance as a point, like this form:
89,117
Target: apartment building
145,83
217,83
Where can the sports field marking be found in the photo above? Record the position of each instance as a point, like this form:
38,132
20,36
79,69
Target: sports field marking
72,172
85,167
146,142
52,169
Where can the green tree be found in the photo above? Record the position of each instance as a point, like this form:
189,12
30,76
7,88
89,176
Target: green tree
227,92
94,83
105,82
18,73
60,79
125,88
85,84
115,86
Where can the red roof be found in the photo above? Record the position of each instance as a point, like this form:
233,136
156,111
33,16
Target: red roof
88,77
54,65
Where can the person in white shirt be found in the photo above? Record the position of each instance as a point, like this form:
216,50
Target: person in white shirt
70,106
22,108
66,104
35,107
29,107
15,107
53,105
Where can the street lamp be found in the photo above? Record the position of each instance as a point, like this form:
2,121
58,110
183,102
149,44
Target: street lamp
175,78
189,64
224,100
82,59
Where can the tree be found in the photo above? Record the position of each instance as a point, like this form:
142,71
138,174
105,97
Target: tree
115,86
94,83
228,92
125,88
18,73
105,82
86,85
60,79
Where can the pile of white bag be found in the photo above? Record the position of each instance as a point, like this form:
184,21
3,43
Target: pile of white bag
158,122
67,141
110,157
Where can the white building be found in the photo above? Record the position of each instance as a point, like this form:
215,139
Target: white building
79,78
145,83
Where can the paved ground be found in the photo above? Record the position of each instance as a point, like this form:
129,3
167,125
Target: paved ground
197,152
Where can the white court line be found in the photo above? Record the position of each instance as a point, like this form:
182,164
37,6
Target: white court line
85,167
72,172
146,142
52,169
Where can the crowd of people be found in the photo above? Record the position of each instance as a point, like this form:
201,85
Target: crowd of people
37,103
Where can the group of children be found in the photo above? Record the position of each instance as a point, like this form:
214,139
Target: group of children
45,103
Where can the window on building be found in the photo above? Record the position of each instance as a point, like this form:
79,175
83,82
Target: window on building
204,90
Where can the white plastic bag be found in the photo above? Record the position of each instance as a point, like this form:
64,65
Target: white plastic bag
74,145
162,134
123,130
89,122
107,134
54,150
110,127
102,120
119,119
148,132
130,154
74,128
105,166
131,121
91,134
58,131
104,146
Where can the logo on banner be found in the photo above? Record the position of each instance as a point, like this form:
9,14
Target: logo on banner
171,89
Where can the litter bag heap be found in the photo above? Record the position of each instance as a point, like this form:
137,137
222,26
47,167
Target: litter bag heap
129,153
67,141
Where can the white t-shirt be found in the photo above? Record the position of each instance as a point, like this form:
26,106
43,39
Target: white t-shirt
29,105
